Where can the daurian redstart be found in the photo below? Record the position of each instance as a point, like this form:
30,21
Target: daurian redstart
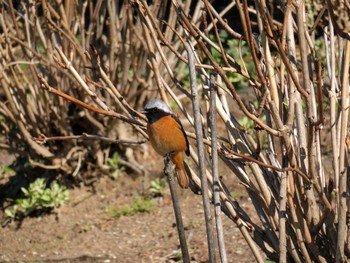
167,136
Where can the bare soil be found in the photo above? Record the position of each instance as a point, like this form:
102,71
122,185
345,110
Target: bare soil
84,229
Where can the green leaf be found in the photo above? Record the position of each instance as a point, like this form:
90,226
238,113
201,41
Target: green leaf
37,197
25,191
10,212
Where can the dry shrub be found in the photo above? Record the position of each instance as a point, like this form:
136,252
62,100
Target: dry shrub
296,68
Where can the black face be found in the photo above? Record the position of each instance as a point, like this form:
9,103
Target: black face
155,114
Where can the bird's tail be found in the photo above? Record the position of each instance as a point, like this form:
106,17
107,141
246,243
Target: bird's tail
182,177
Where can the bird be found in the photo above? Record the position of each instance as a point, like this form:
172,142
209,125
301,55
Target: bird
167,136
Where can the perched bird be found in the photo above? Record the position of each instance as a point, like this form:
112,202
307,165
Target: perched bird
167,136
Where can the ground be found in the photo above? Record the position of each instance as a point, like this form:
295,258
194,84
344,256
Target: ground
86,230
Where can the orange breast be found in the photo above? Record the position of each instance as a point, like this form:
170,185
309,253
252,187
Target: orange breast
166,136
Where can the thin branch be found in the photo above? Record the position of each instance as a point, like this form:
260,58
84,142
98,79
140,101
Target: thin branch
169,173
68,65
214,164
42,139
109,113
200,150
283,218
225,150
340,255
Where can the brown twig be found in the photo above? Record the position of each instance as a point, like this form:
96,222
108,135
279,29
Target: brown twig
227,151
42,139
50,89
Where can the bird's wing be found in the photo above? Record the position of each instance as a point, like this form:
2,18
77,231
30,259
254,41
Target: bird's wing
183,131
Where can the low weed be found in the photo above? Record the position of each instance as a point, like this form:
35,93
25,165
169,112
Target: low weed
114,166
138,205
157,187
37,198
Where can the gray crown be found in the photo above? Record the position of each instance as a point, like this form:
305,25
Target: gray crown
157,104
